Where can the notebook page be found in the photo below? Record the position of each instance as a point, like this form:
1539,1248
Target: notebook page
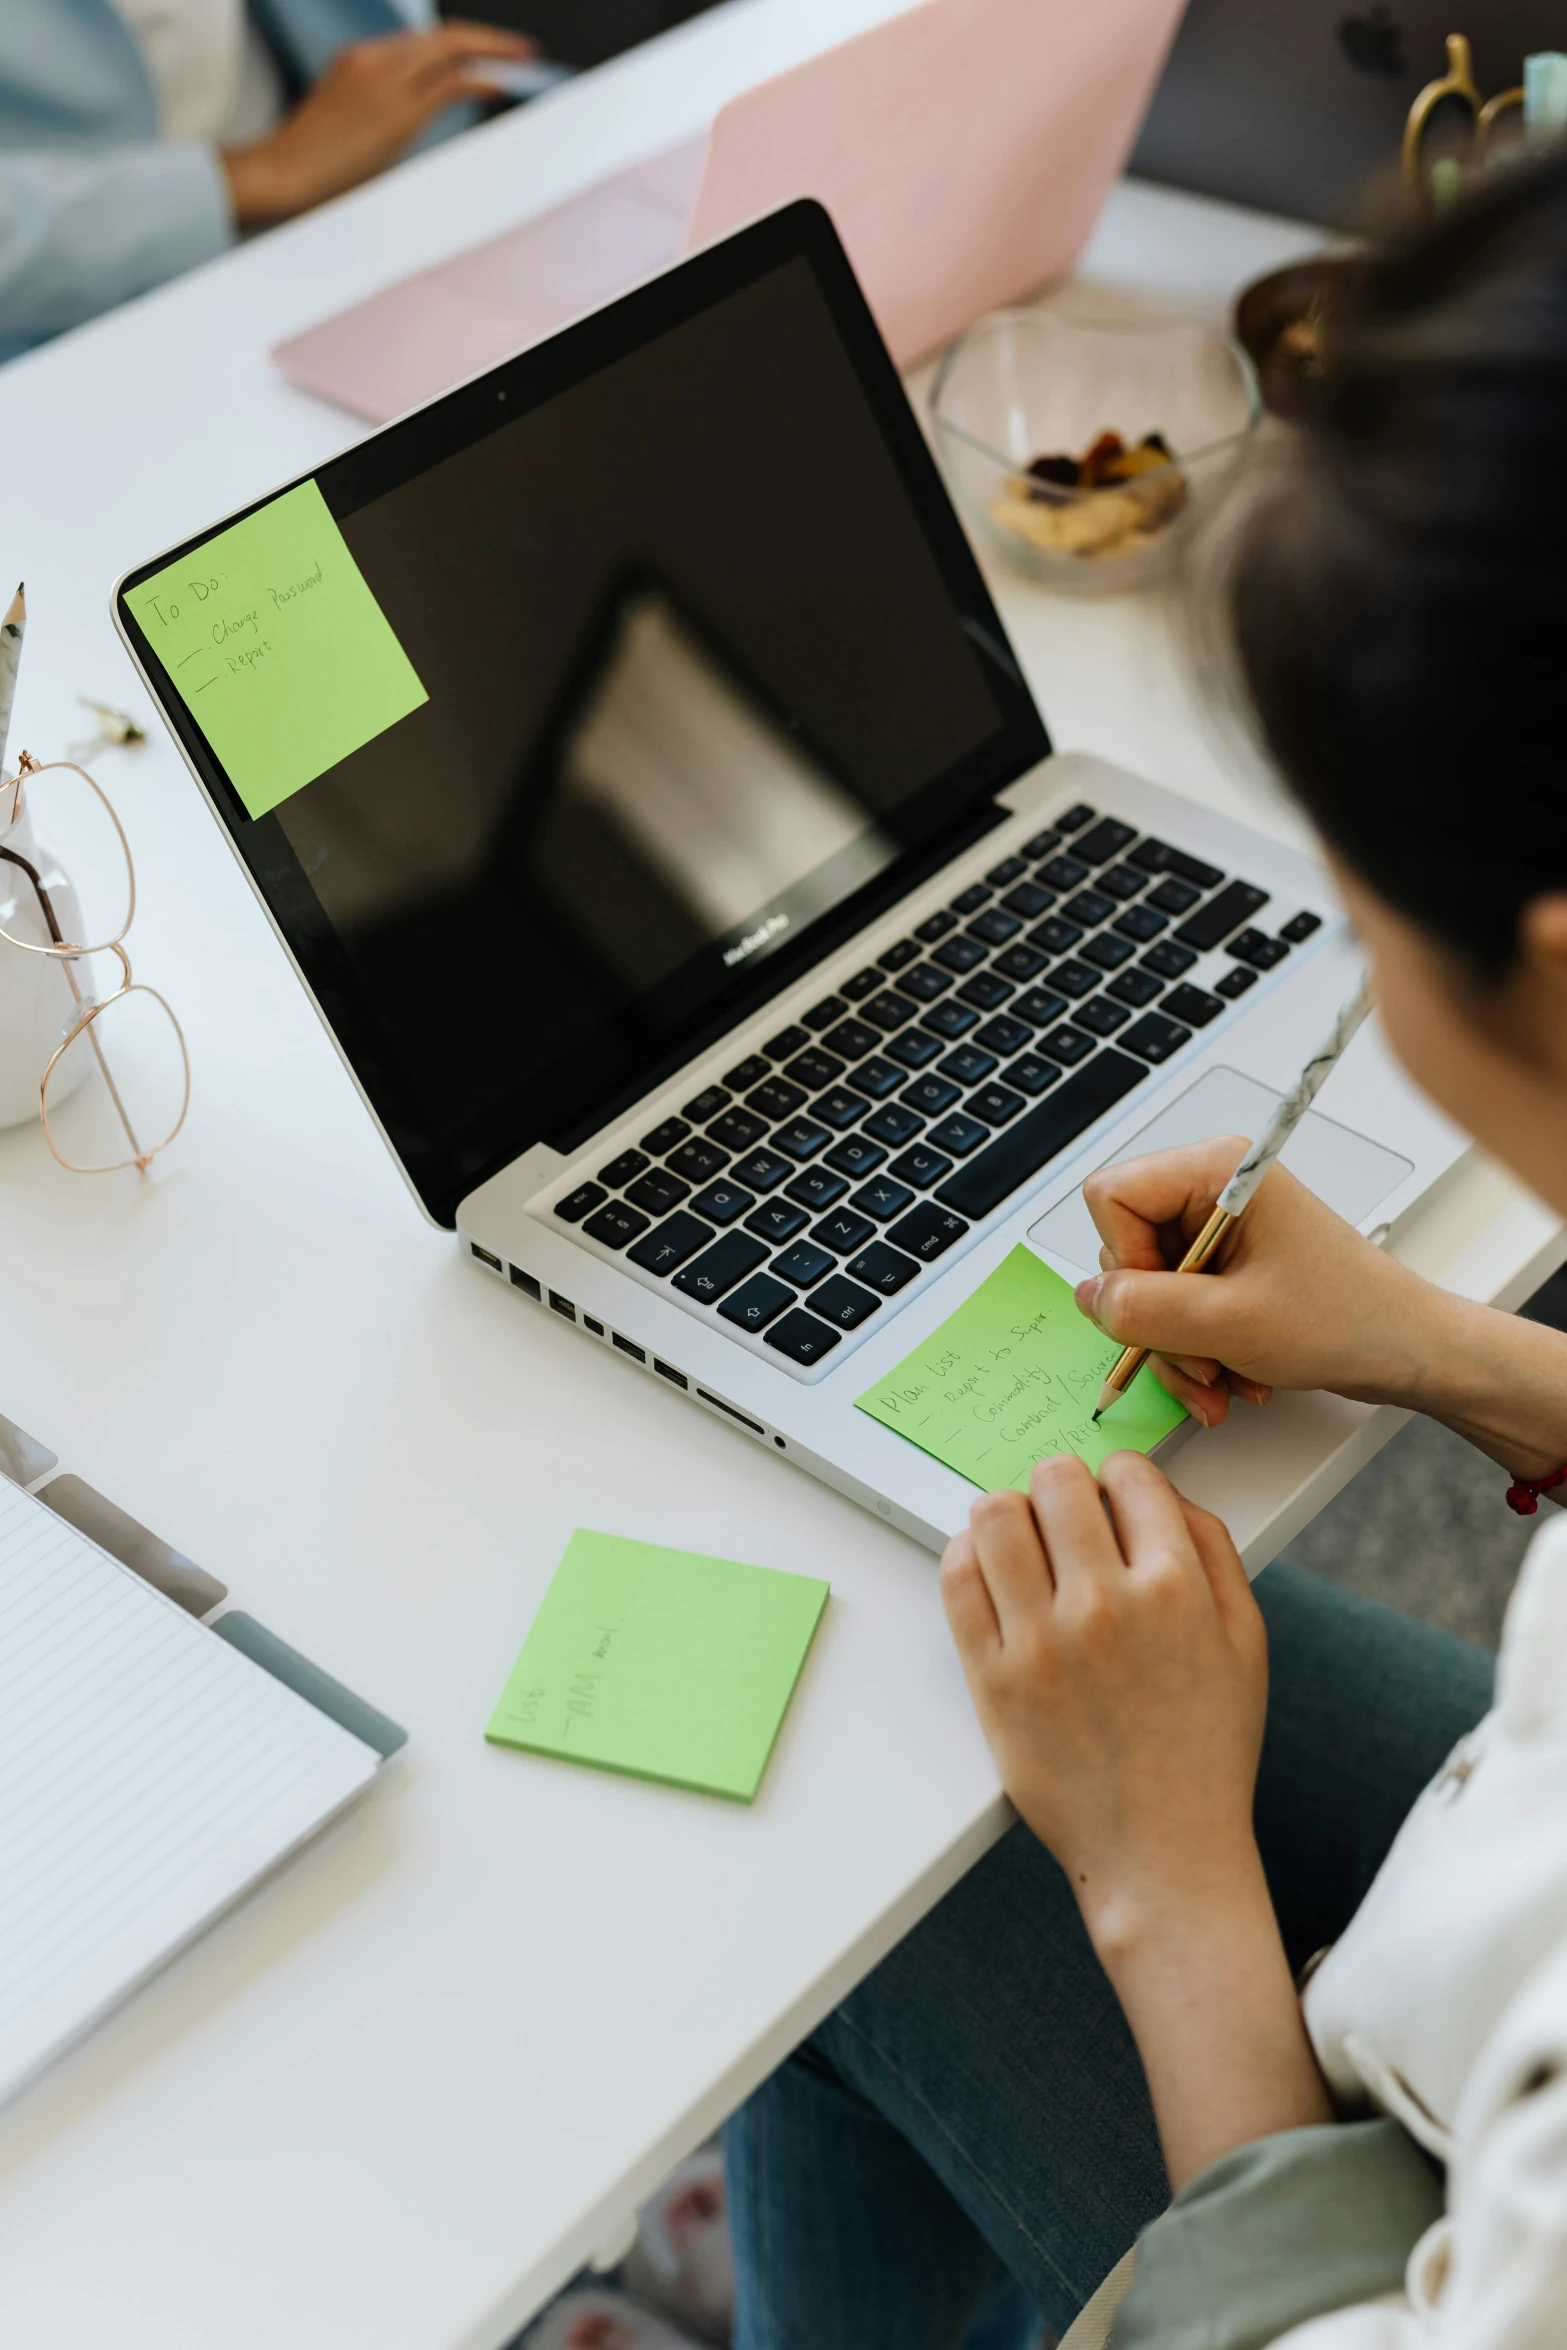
148,1774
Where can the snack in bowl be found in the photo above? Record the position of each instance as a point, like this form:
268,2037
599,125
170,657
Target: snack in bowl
1108,502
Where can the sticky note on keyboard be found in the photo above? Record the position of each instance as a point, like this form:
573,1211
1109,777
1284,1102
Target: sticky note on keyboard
277,647
660,1662
1015,1374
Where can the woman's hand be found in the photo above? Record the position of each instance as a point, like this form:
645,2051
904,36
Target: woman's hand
1296,1297
371,102
1119,1667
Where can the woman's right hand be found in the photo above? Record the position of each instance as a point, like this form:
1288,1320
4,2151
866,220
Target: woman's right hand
1294,1298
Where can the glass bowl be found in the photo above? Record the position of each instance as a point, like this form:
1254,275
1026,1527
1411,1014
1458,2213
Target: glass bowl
1023,385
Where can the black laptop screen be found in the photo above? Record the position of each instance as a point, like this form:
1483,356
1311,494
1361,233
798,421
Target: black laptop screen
707,674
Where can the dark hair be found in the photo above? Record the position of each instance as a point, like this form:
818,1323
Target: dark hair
1396,589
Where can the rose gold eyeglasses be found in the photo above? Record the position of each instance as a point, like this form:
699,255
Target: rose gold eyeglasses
115,1089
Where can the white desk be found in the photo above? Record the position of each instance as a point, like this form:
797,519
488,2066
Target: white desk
394,2101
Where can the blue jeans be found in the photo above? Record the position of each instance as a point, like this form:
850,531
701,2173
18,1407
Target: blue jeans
967,2145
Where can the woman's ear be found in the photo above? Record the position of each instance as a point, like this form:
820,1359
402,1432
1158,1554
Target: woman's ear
1542,937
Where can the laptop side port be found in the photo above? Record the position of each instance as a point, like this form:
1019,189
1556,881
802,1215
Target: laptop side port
628,1346
526,1281
562,1305
675,1378
588,1323
485,1258
719,1404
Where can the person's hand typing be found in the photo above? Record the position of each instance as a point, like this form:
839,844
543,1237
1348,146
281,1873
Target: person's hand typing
372,101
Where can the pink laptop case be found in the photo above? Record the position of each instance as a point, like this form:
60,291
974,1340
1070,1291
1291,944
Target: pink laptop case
964,149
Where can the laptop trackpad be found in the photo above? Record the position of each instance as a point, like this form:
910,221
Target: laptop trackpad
1342,1167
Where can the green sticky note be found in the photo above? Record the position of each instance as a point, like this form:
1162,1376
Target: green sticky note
660,1662
1015,1374
277,647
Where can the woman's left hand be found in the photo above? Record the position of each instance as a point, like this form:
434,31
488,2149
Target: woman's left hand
1118,1664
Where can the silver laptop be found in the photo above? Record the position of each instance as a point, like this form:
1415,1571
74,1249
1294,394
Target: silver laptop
713,935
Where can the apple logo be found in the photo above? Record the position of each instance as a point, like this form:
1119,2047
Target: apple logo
1373,42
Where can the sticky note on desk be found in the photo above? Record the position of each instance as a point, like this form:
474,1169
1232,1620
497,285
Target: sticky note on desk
661,1663
1015,1374
277,647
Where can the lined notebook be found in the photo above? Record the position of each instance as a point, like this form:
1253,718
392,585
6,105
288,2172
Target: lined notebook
149,1774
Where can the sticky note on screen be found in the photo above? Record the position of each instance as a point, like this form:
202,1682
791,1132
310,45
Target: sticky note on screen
1013,1375
277,647
661,1663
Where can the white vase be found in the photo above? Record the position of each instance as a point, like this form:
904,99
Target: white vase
36,1004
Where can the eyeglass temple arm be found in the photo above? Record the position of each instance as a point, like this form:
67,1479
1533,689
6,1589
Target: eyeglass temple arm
12,858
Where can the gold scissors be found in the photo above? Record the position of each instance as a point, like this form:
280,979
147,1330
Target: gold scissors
1458,82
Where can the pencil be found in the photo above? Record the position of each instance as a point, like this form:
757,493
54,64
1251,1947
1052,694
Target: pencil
11,628
1243,1183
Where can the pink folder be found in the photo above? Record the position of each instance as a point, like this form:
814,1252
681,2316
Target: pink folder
963,148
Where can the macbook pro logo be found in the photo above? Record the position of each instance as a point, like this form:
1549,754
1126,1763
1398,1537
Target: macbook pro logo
761,936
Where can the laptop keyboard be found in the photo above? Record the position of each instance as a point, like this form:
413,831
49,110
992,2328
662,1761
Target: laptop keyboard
858,1145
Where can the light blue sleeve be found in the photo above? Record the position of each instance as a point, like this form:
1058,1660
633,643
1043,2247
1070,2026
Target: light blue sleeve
79,233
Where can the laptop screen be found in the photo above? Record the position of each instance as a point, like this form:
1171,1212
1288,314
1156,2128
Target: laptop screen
567,720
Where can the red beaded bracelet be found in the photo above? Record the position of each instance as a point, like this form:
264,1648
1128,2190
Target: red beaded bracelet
1523,1495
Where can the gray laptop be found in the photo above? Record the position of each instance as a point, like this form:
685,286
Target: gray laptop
1298,106
715,938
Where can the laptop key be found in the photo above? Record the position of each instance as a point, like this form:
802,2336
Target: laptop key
757,1304
1055,937
844,1302
723,1202
1168,960
696,1161
898,957
1003,1035
986,990
1156,1038
883,1268
1041,1134
1108,951
1122,882
664,1138
1194,1005
878,1078
1043,844
787,1043
1067,1045
863,983
658,1192
1213,923
1019,962
1192,869
958,1135
1101,1017
817,1188
1007,871
924,983
856,1155
776,1220
1174,897
967,1064
960,954
1075,818
994,927
935,926
920,1166
578,1203
813,1069
737,1130
893,1124
930,1095
616,1224
928,1232
1233,984
950,1020
1039,1007
623,1170
914,1048
718,1268
970,900
838,1107
889,1011
803,1264
1255,947
1028,900
1063,873
851,1040
881,1198
800,1138
822,1015
995,1104
1030,1074
775,1099
749,1072
843,1232
801,1337
1089,907
758,1170
669,1244
1300,926
1141,923
708,1103
1107,839
1135,988
1075,979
